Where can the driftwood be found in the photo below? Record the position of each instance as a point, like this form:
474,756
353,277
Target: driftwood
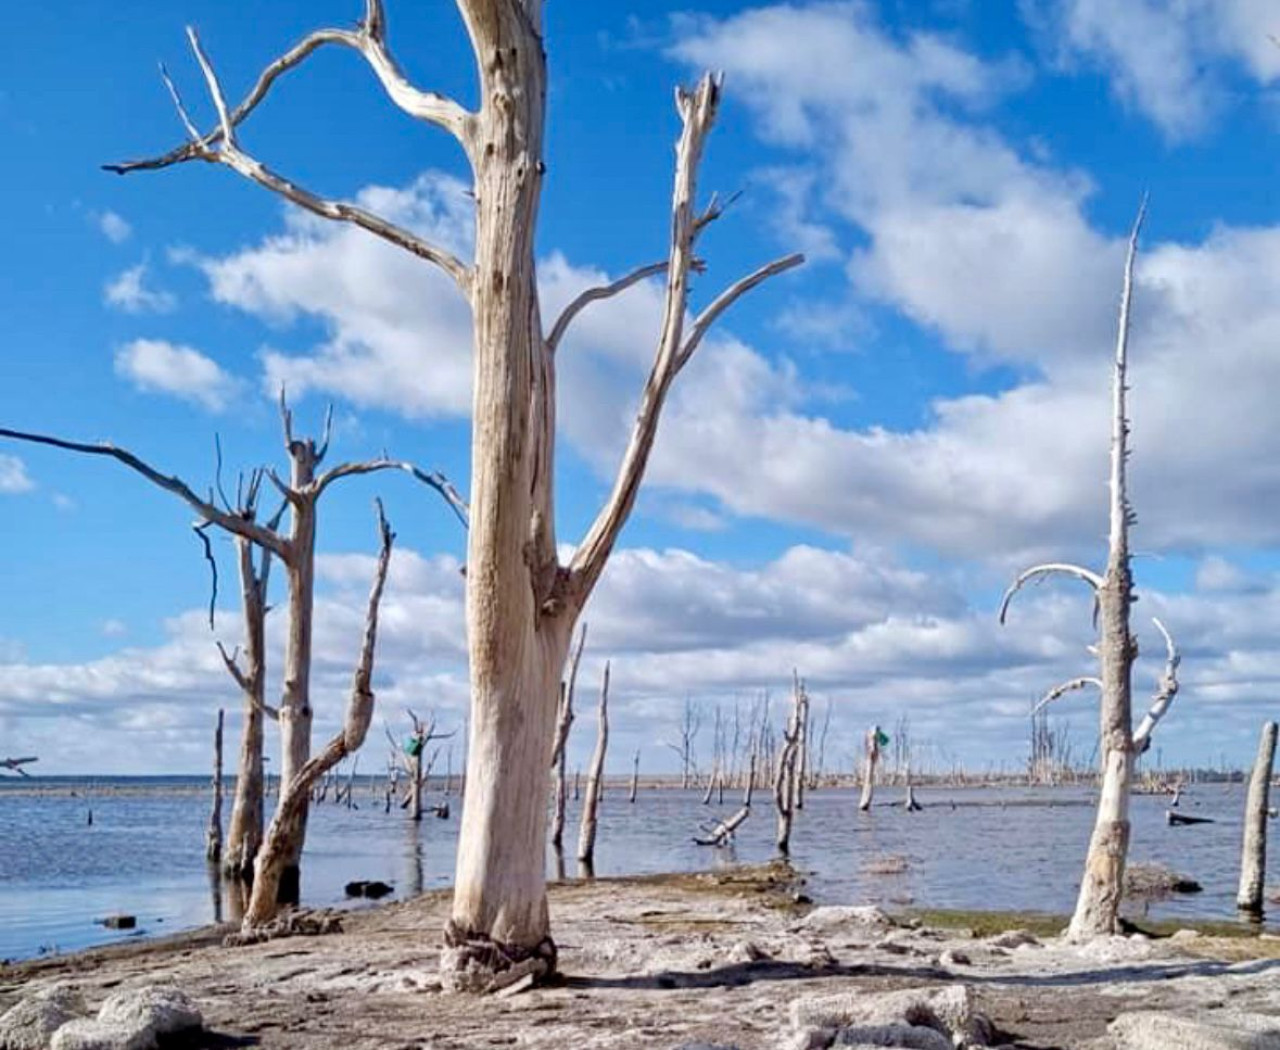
14,765
1176,819
1253,856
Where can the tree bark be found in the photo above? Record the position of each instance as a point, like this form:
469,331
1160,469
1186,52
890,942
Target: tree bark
595,780
1253,858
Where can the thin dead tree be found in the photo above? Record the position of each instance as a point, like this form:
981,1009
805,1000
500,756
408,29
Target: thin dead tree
802,745
276,855
415,762
1253,857
595,782
213,837
686,748
871,758
786,774
820,766
522,602
559,758
1102,885
635,777
296,552
14,765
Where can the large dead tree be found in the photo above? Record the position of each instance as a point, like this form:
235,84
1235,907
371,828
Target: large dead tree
1253,851
295,550
1097,908
277,853
686,747
522,601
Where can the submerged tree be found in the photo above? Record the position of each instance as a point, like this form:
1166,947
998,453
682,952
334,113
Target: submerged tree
522,601
1097,908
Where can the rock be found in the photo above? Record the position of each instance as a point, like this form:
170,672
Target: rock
948,1010
1186,935
705,1046
372,889
954,957
811,1039
132,1020
88,1033
119,922
746,952
31,1021
1225,1030
833,917
1011,939
164,1009
1155,880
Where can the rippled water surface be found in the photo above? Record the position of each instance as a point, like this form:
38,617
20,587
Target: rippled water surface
1017,849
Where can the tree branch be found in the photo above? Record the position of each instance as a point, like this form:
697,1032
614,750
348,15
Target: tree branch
435,479
1091,578
697,113
233,523
370,42
1167,690
221,148
592,295
1063,688
213,567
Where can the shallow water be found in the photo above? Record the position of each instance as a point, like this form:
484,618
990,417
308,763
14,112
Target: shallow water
1008,849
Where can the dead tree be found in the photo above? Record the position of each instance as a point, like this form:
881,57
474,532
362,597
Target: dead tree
1101,888
685,749
244,834
522,602
296,552
14,765
559,759
1253,857
784,779
635,777
802,745
871,758
276,855
213,837
414,761
815,777
595,782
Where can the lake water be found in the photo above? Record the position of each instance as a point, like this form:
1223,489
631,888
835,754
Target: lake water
1006,849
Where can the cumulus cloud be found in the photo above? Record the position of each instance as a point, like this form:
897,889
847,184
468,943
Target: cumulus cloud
13,475
169,368
129,292
1166,58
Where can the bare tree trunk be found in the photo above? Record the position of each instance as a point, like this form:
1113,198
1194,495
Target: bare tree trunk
274,859
415,784
871,757
1253,858
784,782
595,778
635,777
802,744
564,720
213,840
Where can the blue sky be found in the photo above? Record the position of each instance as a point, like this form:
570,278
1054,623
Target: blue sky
847,475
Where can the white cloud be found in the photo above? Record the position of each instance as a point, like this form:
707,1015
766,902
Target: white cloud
113,226
114,628
129,292
1166,58
13,475
159,366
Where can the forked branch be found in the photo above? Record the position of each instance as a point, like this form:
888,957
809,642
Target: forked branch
1048,569
592,295
697,112
369,40
222,148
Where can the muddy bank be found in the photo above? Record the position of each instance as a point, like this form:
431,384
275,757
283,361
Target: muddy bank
726,959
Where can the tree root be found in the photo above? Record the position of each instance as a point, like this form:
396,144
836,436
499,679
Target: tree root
475,963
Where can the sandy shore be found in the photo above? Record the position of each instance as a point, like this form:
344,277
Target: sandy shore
719,959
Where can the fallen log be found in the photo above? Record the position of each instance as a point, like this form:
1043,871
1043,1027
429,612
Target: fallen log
721,832
1176,819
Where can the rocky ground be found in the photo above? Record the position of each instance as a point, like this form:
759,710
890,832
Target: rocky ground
712,961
